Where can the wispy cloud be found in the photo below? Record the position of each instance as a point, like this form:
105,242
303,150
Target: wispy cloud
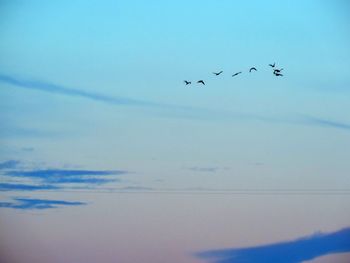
299,250
135,188
63,176
20,179
52,173
30,204
10,164
9,131
208,169
325,123
26,187
168,110
80,180
27,149
59,89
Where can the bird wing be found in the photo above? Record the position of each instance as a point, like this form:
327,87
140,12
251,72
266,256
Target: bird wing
236,74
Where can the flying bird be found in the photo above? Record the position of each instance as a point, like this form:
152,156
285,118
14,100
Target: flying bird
201,81
272,65
252,69
275,71
236,73
218,73
187,82
278,74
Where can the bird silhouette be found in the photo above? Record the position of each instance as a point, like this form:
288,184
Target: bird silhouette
252,69
236,73
278,74
275,71
201,81
272,65
187,82
218,73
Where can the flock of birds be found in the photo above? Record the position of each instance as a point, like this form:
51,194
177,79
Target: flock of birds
276,72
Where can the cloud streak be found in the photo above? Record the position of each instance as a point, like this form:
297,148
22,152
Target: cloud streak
299,250
9,131
325,123
10,164
14,179
208,169
19,179
26,187
168,110
37,204
59,89
62,176
52,173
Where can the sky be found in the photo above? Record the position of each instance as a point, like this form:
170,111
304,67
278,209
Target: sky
99,129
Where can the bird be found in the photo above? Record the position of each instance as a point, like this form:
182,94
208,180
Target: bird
236,73
278,74
272,65
201,81
187,82
252,69
218,73
277,71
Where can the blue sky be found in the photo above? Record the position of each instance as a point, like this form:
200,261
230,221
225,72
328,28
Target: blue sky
93,99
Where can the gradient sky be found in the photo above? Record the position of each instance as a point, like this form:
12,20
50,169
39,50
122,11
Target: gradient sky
93,100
